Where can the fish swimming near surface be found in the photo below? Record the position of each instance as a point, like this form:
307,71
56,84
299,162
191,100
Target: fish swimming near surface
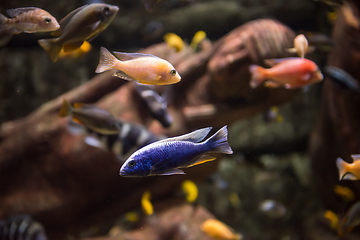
349,171
92,117
29,20
190,189
138,67
146,205
342,78
165,157
301,46
156,104
291,73
218,230
82,24
21,227
130,138
174,41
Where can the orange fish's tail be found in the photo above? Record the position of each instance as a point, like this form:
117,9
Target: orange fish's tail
65,109
52,47
257,75
107,61
343,170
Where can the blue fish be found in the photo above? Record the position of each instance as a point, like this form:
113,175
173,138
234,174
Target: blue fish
165,157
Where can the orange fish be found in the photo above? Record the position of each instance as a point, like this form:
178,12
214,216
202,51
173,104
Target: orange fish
139,67
349,171
288,72
29,20
216,229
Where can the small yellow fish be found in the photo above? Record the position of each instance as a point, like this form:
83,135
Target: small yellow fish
235,200
139,67
349,171
198,37
273,114
301,45
216,229
146,205
190,189
344,192
332,16
332,218
84,49
29,20
174,41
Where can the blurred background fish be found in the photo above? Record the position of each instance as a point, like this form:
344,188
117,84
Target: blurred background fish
344,192
349,171
92,117
288,72
130,138
84,23
138,67
29,20
272,208
273,115
155,103
342,78
21,227
146,204
174,41
165,157
218,230
190,189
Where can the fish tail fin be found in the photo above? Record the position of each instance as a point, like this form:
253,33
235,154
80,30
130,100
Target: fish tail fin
107,61
65,109
52,48
342,167
3,21
257,75
218,142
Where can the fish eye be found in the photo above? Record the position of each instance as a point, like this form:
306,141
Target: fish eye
106,10
131,163
173,72
47,20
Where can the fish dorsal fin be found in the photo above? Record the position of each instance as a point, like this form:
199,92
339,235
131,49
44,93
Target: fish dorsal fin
355,157
17,11
129,56
121,74
63,22
195,136
349,176
172,172
201,159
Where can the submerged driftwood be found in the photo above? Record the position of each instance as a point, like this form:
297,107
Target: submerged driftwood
62,182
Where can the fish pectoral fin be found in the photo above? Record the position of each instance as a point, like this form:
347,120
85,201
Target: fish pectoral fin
195,136
69,47
121,74
291,50
173,172
17,11
202,159
94,25
349,176
129,56
306,77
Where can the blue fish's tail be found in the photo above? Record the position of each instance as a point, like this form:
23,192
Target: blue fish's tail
218,142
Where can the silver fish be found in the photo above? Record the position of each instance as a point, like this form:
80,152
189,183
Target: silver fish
21,227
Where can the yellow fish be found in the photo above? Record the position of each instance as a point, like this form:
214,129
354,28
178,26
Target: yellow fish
198,37
146,205
190,189
139,67
216,229
332,218
84,49
132,216
349,171
344,192
174,41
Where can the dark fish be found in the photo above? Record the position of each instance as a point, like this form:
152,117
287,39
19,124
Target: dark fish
21,227
350,220
92,117
82,24
131,138
29,20
165,157
156,104
342,78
